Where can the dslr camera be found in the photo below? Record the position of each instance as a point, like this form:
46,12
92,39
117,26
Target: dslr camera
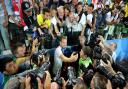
40,56
39,72
58,78
117,80
71,76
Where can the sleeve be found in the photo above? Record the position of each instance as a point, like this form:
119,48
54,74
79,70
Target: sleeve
39,20
49,23
58,52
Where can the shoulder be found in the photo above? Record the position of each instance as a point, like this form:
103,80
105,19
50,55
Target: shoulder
58,48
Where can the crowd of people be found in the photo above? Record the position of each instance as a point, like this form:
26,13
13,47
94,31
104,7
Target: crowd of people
61,44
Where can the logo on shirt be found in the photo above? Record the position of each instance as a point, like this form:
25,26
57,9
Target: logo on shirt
27,5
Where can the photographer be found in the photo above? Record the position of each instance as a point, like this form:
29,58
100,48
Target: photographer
108,48
28,15
73,82
59,57
19,51
29,18
44,30
25,82
8,67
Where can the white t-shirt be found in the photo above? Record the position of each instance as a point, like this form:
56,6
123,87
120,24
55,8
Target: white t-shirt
83,19
89,17
54,21
108,2
57,61
108,18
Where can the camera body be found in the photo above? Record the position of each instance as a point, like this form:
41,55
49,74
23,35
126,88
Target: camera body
38,56
58,78
71,76
117,79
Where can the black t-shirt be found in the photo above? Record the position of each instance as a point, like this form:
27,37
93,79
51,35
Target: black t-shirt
30,21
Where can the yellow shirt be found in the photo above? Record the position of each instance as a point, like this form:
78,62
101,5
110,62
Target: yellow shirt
42,22
21,60
126,10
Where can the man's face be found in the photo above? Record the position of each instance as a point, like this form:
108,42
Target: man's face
86,8
21,51
90,9
71,16
46,15
28,13
74,2
45,2
11,68
79,8
61,13
63,43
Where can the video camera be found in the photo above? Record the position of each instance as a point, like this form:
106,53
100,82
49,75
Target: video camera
39,72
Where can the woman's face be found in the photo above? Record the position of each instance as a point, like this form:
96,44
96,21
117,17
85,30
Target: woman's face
66,12
53,12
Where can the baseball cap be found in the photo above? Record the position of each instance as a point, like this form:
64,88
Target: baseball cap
26,6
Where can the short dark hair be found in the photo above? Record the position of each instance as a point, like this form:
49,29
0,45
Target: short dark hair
101,81
63,37
4,59
91,5
80,84
79,3
66,6
86,50
18,44
46,10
